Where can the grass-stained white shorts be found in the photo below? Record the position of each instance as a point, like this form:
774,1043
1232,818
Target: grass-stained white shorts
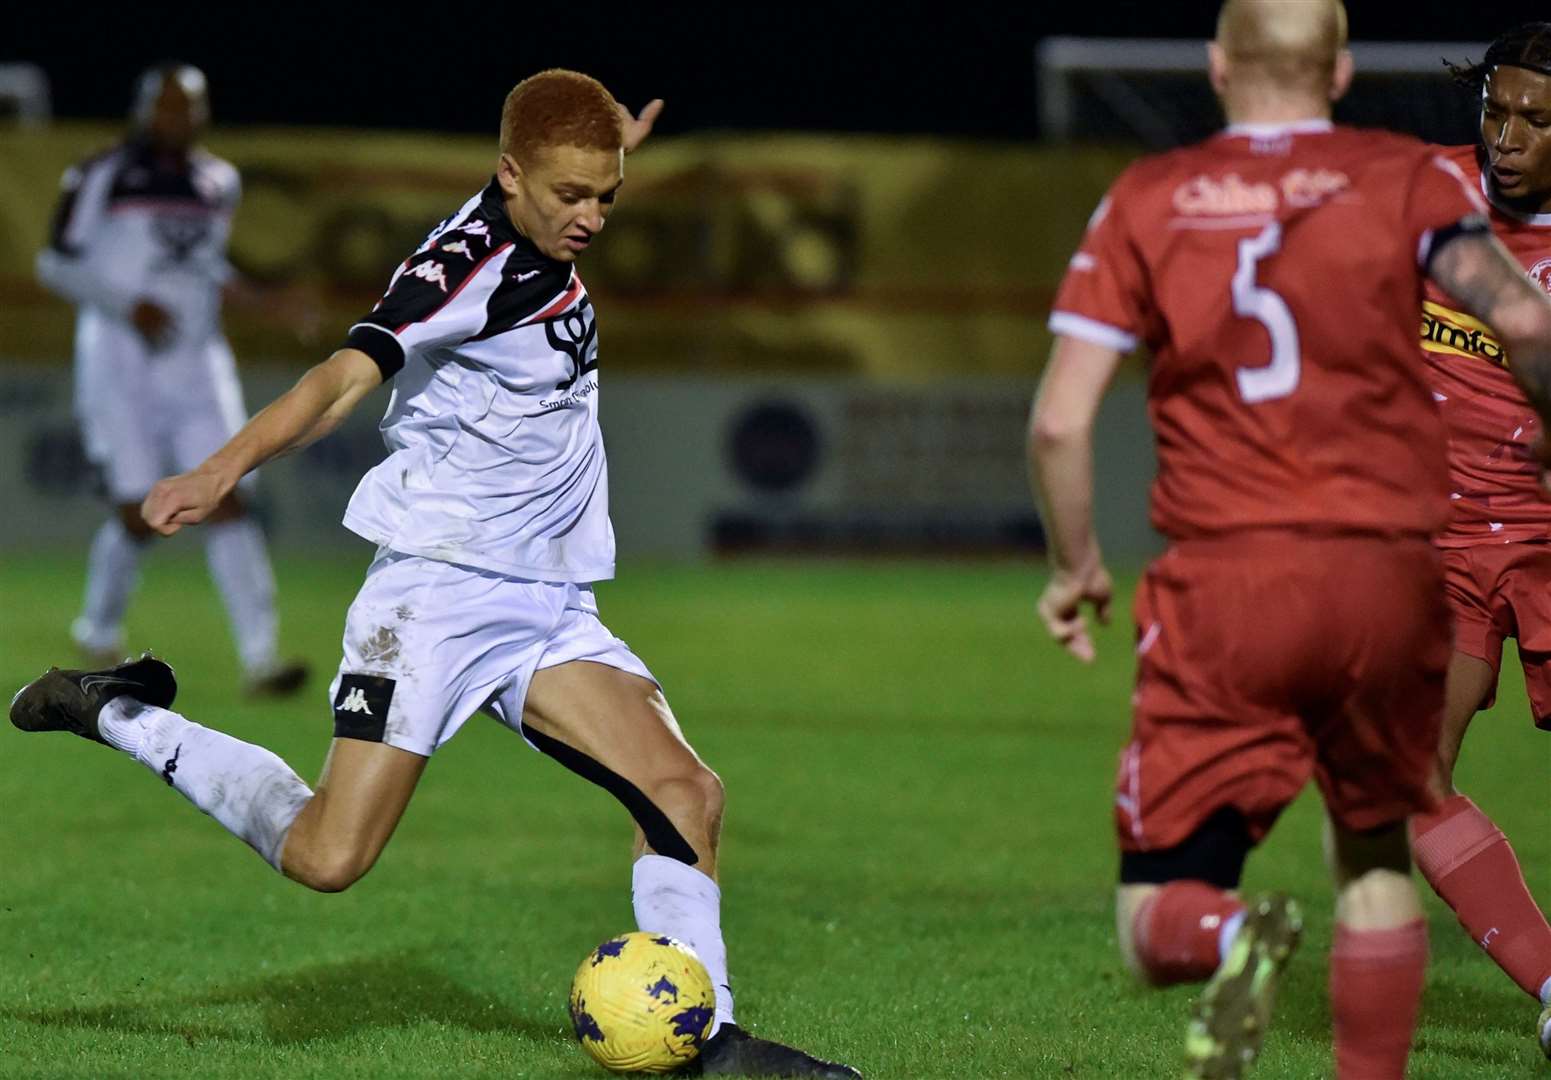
429,643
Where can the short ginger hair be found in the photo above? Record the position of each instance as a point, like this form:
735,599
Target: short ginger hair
560,108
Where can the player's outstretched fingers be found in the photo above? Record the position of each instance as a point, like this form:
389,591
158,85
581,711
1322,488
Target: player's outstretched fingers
1063,621
637,128
1080,645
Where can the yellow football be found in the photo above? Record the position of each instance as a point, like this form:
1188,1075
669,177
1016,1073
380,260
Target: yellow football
642,1003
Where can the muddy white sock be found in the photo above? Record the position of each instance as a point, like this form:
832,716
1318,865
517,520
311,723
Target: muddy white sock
679,901
249,790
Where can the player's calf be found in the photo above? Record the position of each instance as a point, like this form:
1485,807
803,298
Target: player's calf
1378,960
1178,932
692,799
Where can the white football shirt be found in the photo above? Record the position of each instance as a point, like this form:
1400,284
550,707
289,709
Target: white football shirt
135,223
495,456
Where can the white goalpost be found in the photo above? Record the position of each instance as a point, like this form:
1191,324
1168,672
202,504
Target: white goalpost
1154,91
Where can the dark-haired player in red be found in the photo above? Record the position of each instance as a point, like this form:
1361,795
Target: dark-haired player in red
1296,627
1497,548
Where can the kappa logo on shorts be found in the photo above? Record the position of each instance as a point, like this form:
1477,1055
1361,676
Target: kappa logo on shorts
361,707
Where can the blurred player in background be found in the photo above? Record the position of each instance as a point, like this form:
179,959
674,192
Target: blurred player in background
1497,548
138,244
491,516
1296,626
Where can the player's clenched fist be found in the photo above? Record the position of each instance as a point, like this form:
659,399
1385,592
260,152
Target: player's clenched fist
1060,608
181,500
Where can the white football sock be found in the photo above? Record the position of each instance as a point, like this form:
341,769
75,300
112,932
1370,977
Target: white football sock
112,571
249,790
239,564
679,901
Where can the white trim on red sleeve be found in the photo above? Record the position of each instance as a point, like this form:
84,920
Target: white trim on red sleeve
1071,324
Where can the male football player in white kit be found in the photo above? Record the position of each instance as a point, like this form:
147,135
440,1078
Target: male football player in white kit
491,520
138,245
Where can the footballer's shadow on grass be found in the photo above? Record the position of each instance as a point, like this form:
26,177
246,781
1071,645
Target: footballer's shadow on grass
330,1001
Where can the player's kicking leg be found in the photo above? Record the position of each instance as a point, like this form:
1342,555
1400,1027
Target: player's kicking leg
1179,919
325,839
615,729
1468,861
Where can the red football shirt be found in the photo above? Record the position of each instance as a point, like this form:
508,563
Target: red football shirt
1275,273
1494,480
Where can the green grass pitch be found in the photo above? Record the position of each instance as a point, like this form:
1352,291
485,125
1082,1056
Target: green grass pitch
917,860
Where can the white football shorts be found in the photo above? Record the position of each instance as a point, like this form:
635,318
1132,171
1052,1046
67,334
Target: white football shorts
145,415
430,643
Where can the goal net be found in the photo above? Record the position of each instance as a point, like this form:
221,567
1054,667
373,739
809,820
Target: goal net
1155,92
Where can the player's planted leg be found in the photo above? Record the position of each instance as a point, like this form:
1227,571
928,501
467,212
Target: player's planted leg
1379,958
616,729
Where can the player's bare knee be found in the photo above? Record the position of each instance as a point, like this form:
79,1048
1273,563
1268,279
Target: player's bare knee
326,871
1377,900
689,795
666,795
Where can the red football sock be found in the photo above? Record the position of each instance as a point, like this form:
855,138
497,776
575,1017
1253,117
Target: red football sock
1468,862
1176,931
1375,990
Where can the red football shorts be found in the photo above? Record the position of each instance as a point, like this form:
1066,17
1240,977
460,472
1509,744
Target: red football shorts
1498,591
1268,658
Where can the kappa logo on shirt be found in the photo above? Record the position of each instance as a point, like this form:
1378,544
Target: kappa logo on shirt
458,247
477,228
431,271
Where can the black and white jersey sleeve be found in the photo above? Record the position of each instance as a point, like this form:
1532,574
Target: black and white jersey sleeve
71,265
474,276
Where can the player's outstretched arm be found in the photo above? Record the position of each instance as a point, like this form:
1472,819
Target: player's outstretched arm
1478,271
311,409
1060,449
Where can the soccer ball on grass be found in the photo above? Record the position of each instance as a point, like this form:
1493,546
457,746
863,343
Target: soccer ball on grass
642,1003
